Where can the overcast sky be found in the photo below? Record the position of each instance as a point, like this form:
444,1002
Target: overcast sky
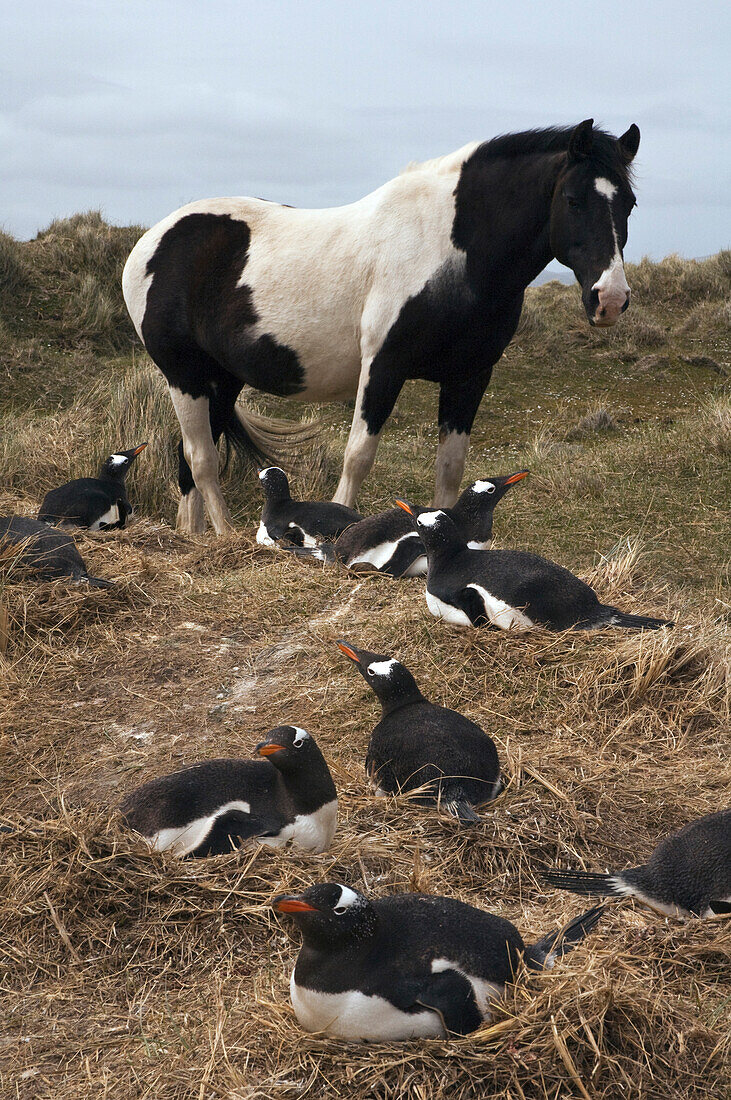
136,107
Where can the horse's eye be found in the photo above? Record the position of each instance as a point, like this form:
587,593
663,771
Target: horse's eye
573,203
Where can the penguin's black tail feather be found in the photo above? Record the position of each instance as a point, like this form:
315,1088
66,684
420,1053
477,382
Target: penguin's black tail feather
96,582
324,552
455,802
635,622
543,954
582,882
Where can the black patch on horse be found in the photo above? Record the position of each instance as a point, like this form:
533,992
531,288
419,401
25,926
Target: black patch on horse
198,322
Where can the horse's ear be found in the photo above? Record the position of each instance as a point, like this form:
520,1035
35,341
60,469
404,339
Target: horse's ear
581,139
629,143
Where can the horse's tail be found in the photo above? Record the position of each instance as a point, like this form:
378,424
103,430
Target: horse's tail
266,441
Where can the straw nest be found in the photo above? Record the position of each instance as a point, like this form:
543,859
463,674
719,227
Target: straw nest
131,974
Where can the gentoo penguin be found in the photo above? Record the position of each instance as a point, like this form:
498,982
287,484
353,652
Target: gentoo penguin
509,589
688,874
207,809
418,743
407,966
388,543
46,552
301,522
99,503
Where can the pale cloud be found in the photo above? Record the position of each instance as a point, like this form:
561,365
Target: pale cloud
139,106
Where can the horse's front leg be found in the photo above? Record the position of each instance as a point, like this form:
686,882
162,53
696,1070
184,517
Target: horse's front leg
458,405
378,388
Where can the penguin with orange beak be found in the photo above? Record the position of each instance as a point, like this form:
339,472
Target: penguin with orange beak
418,745
286,794
407,966
388,543
507,589
97,503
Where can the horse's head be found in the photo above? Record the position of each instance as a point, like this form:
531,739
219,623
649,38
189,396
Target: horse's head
592,201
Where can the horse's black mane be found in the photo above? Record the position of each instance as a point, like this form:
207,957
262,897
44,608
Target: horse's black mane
555,139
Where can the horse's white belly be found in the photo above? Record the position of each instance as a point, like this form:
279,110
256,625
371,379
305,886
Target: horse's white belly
354,1015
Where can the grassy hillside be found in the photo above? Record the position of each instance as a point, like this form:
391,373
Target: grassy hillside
131,975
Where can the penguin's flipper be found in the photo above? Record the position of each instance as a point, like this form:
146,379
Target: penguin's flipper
406,553
470,601
451,996
324,552
230,829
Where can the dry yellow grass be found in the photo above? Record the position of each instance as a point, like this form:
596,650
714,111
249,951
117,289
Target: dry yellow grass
132,975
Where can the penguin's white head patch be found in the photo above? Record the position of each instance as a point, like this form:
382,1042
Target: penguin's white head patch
118,460
382,668
300,737
430,519
347,900
483,487
264,473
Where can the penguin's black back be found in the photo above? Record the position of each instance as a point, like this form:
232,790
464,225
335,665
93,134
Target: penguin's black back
84,501
692,867
199,790
411,931
423,743
319,519
550,595
48,553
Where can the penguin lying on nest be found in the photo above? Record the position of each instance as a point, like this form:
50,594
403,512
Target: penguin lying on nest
301,522
420,744
46,552
209,808
408,966
509,589
99,503
388,543
687,875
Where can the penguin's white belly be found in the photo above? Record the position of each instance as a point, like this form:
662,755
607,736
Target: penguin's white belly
418,568
263,537
669,909
441,610
485,992
182,839
110,516
502,614
377,556
310,832
354,1015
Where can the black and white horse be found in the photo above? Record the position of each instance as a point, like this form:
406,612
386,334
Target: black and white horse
423,278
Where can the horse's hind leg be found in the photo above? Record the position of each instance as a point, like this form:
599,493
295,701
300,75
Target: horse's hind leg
201,457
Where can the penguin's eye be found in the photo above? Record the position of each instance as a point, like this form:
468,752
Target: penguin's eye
491,488
298,744
340,909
